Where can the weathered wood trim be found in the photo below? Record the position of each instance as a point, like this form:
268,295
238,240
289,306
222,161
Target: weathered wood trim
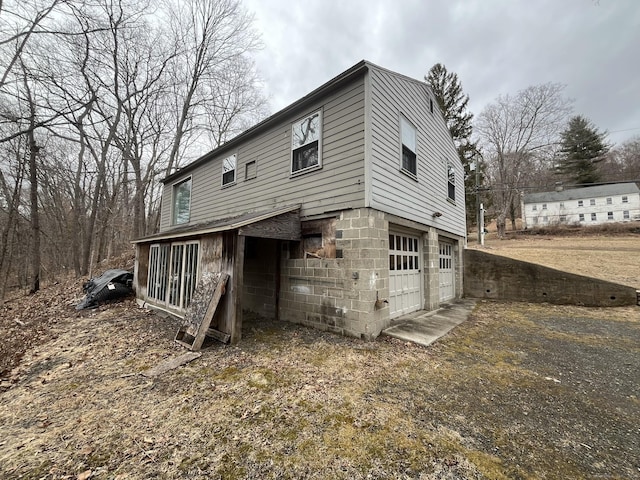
236,290
282,227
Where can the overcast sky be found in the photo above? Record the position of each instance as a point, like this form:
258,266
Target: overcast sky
495,47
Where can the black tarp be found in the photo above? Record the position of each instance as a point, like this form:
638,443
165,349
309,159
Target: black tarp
109,286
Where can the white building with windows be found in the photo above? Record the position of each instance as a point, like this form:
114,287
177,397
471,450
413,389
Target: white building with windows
619,202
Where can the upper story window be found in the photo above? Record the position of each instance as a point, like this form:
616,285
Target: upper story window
408,136
181,206
625,199
544,206
580,203
229,170
561,204
609,201
250,170
535,208
592,201
306,148
451,181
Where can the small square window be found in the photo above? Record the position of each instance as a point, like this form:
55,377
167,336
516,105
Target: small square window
581,217
409,159
594,217
305,143
229,170
625,199
181,206
609,201
250,170
580,203
609,215
592,201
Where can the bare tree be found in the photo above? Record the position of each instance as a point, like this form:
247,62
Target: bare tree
520,134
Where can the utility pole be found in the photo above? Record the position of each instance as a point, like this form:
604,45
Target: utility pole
479,217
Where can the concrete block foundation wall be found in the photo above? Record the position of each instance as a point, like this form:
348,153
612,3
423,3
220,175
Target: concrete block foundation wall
502,278
339,294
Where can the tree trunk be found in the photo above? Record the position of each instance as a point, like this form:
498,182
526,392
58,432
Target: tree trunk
35,215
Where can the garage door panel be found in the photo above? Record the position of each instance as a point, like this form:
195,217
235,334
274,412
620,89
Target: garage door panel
447,271
405,285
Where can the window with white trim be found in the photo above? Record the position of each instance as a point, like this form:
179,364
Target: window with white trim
580,203
535,208
563,218
609,215
581,217
181,205
625,214
625,199
306,148
609,201
408,139
229,170
594,217
544,206
592,202
173,270
451,181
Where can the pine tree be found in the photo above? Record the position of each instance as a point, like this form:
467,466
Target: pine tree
453,104
582,148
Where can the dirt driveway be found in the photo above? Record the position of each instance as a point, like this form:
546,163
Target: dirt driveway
518,391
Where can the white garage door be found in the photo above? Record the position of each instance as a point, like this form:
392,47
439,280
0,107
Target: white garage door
405,287
447,272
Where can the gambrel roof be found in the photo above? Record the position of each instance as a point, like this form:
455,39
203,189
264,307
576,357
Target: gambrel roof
595,191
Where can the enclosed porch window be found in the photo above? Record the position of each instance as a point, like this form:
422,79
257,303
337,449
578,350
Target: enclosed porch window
173,273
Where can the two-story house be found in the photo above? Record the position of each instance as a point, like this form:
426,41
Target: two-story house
342,211
618,202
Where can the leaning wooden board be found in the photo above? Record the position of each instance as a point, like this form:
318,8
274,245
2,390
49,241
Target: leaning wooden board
201,310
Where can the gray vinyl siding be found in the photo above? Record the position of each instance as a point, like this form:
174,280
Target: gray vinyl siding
339,184
394,192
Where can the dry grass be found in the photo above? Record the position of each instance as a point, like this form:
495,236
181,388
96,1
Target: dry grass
518,391
613,258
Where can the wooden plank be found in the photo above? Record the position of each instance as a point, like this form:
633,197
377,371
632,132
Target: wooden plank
202,309
282,227
237,282
218,335
171,364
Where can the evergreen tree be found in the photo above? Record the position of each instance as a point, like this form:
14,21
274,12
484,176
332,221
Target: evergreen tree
582,147
453,104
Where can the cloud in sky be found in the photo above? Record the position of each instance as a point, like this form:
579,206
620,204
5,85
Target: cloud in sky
496,47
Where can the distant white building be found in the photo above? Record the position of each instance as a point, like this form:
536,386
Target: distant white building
619,202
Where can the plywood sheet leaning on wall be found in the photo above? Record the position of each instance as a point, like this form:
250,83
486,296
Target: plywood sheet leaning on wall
201,310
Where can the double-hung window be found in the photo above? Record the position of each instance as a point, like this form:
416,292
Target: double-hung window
451,182
229,170
408,137
181,206
306,147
